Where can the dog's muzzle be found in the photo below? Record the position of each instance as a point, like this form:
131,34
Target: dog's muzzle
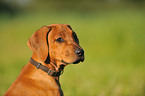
80,54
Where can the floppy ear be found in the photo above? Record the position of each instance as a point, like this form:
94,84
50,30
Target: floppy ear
38,43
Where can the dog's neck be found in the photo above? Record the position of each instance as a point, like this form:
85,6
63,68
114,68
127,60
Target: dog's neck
56,65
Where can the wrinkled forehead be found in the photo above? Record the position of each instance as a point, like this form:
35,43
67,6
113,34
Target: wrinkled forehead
61,30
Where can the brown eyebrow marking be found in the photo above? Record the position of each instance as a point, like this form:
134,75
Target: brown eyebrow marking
61,34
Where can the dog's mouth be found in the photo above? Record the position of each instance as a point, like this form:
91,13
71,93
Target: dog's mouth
75,62
64,62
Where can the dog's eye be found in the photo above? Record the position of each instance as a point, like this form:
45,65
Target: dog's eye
60,40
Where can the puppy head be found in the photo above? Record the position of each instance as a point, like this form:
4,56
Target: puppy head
56,43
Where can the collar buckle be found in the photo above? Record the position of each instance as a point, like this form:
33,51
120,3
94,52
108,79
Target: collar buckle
49,71
38,65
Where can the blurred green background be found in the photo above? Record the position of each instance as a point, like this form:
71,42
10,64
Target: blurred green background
112,33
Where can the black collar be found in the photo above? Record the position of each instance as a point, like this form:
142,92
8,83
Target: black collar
45,69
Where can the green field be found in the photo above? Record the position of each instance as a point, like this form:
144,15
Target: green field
114,44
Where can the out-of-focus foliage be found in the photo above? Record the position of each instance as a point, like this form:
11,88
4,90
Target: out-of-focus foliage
83,6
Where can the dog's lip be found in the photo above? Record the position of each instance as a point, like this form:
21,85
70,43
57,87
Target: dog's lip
78,61
64,62
75,62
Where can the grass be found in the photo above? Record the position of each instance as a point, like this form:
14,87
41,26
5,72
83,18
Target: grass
114,44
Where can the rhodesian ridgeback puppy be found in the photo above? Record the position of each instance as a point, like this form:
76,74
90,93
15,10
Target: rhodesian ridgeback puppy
54,47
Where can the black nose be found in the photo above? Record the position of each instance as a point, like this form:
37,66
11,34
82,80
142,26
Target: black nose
79,52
